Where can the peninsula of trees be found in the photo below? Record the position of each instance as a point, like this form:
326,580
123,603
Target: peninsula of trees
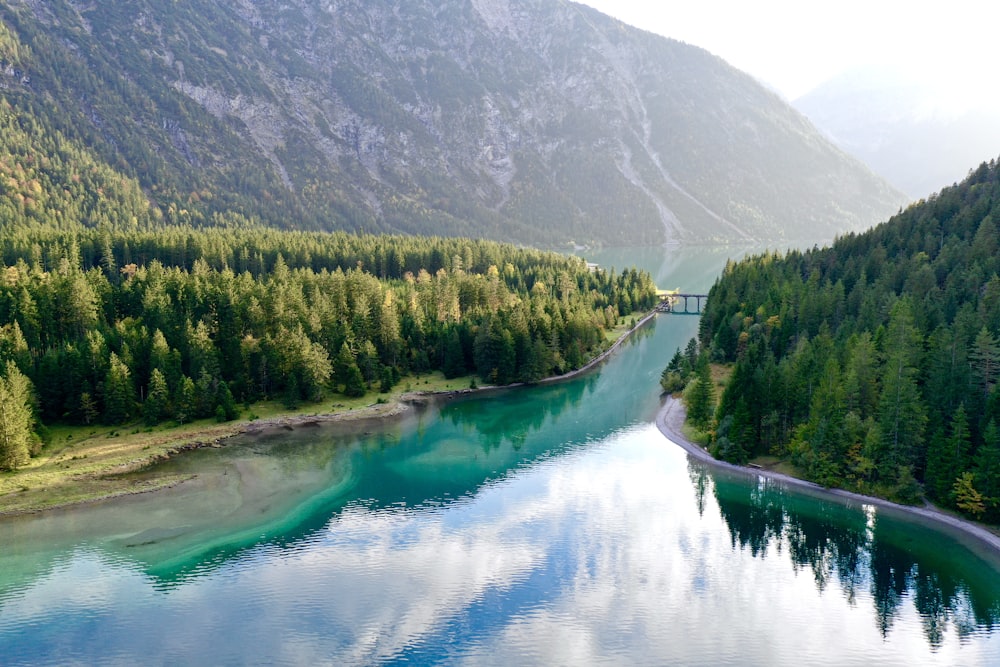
112,325
871,364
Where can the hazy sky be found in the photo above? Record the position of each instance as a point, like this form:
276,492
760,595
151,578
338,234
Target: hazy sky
794,45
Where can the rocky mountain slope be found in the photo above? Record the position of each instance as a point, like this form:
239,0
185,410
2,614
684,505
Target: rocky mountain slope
530,120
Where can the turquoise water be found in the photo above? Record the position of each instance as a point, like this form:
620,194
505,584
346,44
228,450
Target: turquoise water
551,525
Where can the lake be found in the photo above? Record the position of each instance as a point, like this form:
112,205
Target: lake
547,525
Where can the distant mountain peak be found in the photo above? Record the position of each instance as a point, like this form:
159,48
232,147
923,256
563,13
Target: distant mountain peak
917,132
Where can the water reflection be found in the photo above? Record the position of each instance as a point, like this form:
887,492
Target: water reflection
599,555
280,488
522,414
860,550
549,525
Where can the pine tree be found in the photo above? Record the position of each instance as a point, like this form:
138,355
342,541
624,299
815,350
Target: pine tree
987,470
948,457
119,394
185,401
88,408
675,376
316,370
16,418
293,395
901,414
939,477
386,380
454,358
205,390
959,443
985,358
226,403
165,359
824,436
342,364
700,401
156,406
354,383
860,392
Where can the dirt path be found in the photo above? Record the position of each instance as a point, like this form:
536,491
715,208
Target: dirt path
670,419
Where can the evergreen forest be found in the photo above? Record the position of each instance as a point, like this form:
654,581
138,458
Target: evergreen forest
111,325
871,364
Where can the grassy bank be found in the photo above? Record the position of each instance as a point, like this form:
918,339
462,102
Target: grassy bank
87,463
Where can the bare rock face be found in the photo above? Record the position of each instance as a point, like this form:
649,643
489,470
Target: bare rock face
534,121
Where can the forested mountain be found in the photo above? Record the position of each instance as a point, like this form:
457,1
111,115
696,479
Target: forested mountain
534,121
904,129
873,364
177,324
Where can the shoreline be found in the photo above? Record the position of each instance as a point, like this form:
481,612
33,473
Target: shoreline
411,399
670,418
218,435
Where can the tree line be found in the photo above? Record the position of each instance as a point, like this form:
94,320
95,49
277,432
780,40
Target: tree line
871,364
112,325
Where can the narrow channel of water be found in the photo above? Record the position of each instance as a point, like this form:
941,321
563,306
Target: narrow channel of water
551,525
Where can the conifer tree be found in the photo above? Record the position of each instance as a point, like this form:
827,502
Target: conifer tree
354,382
701,399
947,457
119,394
156,406
16,418
386,380
987,470
88,408
454,358
342,364
985,358
186,401
901,413
226,404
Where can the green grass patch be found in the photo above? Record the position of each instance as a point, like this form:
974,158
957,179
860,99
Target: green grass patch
700,438
83,463
624,326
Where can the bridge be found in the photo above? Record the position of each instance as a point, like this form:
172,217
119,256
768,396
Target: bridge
670,302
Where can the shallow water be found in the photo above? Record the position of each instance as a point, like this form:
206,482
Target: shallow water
552,525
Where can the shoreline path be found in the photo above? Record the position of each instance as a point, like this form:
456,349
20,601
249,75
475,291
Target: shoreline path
670,420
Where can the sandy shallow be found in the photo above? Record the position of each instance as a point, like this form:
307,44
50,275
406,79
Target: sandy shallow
670,419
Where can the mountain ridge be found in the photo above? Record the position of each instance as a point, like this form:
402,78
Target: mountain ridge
532,121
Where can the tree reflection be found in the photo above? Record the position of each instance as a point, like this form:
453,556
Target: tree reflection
701,479
755,517
293,482
861,550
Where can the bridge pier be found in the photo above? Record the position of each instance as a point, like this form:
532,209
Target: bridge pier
669,304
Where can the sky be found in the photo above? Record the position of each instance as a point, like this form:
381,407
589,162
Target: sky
794,45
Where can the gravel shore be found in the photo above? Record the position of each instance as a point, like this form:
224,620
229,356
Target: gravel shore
670,419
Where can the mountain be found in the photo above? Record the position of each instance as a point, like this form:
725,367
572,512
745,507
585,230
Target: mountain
905,129
536,121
